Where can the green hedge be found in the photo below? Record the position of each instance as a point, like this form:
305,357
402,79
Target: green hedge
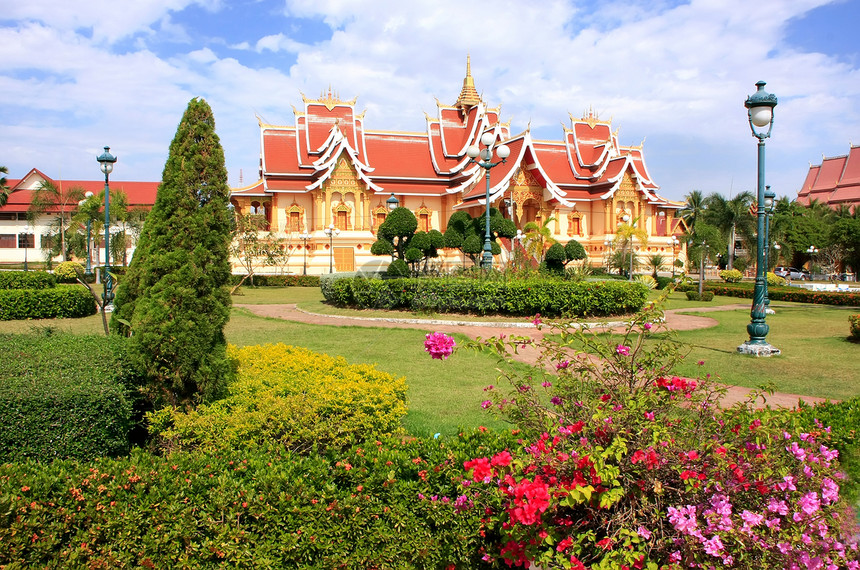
279,280
387,504
794,294
854,326
63,396
705,296
549,297
66,301
26,280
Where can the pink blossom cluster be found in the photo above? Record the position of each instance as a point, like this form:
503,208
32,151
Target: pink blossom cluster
781,510
439,345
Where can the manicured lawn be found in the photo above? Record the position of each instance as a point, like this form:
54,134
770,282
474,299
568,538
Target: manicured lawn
817,358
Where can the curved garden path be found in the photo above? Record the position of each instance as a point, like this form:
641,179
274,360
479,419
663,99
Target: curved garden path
675,319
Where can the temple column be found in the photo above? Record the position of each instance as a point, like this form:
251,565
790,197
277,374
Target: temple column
327,212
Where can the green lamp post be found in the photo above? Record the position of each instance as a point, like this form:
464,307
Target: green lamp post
106,162
486,162
769,197
760,107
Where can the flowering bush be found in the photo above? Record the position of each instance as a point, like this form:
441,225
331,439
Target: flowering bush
774,280
623,465
439,345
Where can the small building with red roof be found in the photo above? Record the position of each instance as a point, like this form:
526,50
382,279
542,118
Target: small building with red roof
330,169
835,182
22,240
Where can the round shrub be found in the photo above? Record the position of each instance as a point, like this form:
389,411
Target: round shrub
854,323
774,280
705,296
731,275
67,271
293,397
397,268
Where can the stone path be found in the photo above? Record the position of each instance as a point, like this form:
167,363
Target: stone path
675,319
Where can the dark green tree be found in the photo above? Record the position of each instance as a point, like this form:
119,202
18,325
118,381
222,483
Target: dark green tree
174,302
732,217
397,229
846,232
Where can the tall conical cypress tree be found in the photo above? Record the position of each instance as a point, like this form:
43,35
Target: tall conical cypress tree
173,301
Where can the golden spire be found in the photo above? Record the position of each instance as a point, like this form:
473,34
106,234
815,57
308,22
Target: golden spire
469,95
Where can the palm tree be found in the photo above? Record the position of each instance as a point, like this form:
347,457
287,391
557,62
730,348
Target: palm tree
656,263
50,197
625,237
538,238
731,216
692,210
4,187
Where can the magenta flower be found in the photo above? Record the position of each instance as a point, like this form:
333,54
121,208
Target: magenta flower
623,350
486,404
647,326
536,321
562,365
439,345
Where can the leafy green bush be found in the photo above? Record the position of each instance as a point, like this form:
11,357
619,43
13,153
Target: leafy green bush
854,324
397,268
67,271
64,396
774,280
705,296
290,396
67,301
549,297
387,504
731,275
663,282
26,280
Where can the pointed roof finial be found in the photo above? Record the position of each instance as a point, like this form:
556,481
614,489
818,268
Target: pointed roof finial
468,95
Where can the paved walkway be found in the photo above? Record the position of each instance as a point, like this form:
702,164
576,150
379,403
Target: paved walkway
675,319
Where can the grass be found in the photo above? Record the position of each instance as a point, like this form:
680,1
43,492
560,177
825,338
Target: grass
817,358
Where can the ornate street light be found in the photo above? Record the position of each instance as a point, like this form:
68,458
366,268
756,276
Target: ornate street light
760,107
486,162
392,202
305,236
89,269
331,231
106,162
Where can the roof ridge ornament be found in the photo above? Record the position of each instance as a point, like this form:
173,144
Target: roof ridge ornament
468,95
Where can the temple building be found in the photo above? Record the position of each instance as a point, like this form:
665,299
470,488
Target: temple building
329,169
835,182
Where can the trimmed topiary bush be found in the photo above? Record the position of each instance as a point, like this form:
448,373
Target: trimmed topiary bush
397,268
705,296
293,397
26,280
854,325
64,396
731,275
774,280
67,271
66,301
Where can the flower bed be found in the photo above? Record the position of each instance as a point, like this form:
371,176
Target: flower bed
793,294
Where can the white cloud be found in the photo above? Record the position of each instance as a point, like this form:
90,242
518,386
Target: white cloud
674,73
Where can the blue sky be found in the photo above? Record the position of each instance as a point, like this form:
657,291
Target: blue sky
76,76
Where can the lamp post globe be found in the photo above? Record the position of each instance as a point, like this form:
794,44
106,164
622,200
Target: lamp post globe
760,106
106,162
392,202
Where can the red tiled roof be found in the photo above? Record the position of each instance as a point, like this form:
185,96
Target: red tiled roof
834,182
139,194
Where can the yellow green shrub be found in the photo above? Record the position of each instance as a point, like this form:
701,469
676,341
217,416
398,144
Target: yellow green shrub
292,396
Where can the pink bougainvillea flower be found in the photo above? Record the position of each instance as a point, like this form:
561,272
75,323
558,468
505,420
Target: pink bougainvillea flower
537,321
562,365
647,326
439,345
486,404
623,350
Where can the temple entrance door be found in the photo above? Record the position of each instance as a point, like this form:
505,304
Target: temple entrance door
344,259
